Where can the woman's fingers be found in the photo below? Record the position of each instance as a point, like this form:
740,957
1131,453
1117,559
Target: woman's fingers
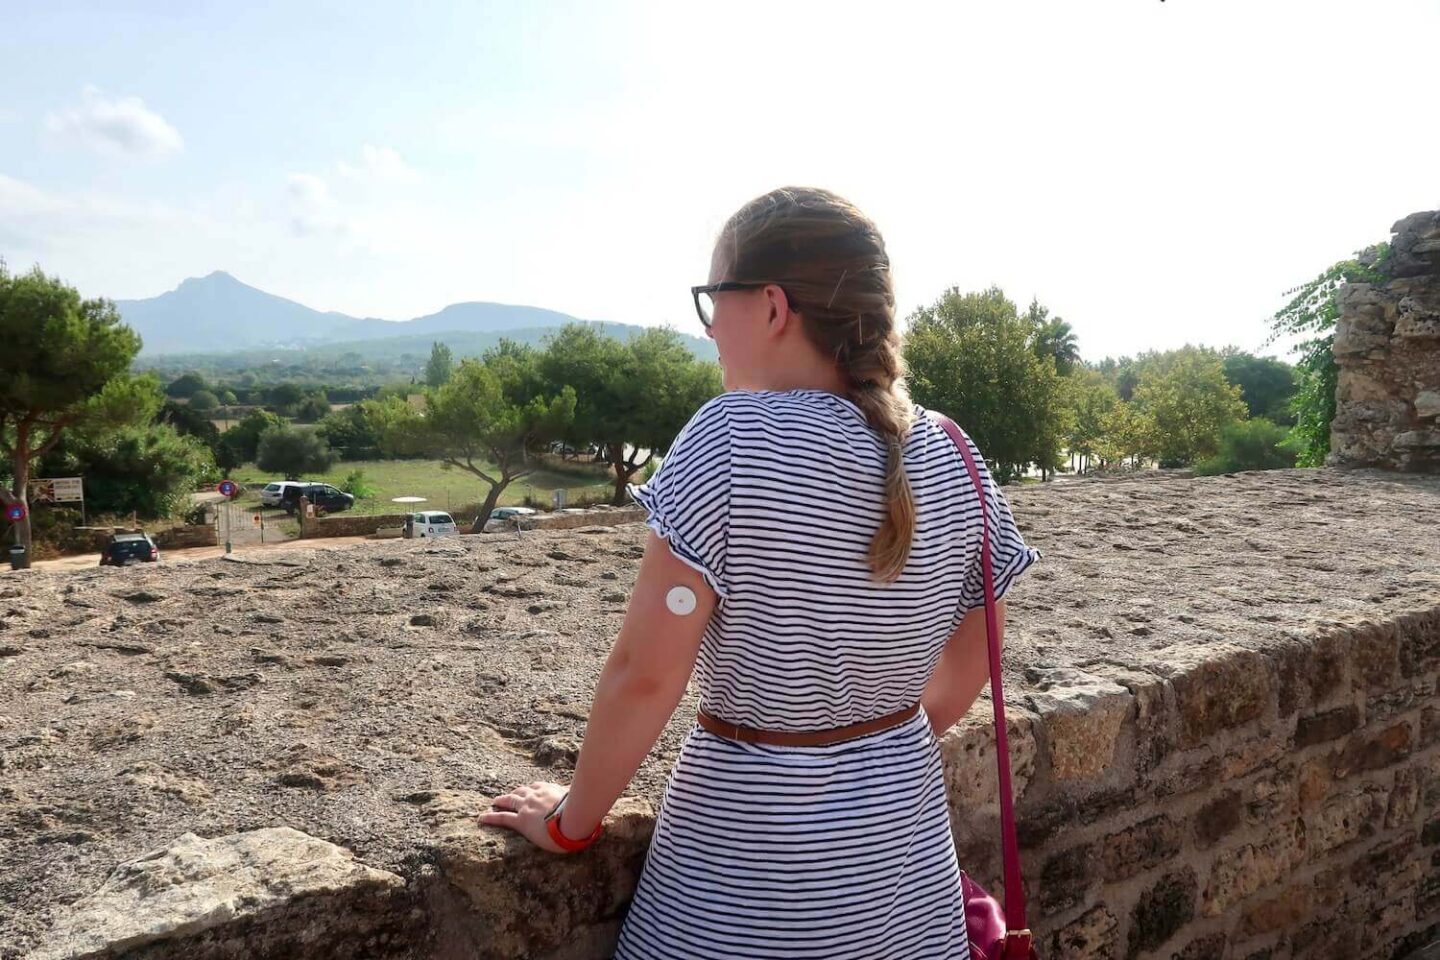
500,818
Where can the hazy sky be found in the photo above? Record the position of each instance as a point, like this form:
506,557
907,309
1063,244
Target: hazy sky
1155,172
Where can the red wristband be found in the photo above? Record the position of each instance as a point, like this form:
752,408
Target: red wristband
552,826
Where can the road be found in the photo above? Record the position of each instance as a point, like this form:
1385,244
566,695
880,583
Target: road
194,554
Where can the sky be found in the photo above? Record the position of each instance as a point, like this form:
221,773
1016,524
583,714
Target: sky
1157,172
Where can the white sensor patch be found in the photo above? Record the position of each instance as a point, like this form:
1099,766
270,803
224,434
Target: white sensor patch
681,601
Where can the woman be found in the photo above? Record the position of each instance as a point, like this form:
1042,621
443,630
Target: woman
814,557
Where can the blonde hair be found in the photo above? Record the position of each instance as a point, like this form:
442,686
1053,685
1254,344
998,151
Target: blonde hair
831,262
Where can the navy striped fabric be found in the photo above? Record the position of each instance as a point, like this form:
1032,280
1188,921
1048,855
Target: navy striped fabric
840,851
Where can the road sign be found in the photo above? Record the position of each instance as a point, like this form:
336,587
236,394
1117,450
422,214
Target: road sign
57,490
256,519
228,488
15,512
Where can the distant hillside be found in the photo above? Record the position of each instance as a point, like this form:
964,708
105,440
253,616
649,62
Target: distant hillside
219,315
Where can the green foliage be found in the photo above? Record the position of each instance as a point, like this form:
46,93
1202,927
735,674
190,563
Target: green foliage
973,357
1053,338
1093,401
1257,444
1184,396
632,398
228,398
203,401
1266,384
482,416
241,443
186,385
190,422
64,366
312,409
440,366
357,485
293,452
1311,312
350,434
149,469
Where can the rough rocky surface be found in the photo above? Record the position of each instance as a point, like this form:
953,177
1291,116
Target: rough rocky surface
372,698
196,886
1387,348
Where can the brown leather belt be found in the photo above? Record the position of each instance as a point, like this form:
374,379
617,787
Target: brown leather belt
804,738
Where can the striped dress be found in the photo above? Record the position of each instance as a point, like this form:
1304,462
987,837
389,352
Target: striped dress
844,851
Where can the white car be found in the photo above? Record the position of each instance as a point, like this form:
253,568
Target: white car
431,523
273,494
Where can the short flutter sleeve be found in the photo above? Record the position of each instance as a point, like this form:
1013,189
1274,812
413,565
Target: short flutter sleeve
688,498
1009,554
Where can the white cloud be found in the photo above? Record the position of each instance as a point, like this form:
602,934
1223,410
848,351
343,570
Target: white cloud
115,126
377,165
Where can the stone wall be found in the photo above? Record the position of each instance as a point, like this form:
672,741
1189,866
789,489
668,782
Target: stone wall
342,525
1387,347
1252,804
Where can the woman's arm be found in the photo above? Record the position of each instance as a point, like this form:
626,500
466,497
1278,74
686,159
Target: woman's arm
642,682
963,670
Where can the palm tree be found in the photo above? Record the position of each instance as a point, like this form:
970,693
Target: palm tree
1054,338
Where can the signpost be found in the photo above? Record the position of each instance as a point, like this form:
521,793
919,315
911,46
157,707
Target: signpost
59,490
228,489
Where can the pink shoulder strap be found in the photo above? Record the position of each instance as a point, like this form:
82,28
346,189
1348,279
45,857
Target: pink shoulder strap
1014,893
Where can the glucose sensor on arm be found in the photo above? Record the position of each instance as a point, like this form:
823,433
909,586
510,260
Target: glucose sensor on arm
681,601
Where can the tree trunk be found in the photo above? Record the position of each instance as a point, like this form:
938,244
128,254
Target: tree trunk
491,498
18,494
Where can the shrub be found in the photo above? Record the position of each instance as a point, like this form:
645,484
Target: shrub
1257,444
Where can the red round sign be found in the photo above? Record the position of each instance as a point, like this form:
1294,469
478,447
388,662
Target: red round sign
227,487
15,512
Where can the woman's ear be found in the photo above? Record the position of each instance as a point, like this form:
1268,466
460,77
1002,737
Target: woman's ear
780,311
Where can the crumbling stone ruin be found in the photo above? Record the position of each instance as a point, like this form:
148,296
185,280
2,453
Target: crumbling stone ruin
1387,348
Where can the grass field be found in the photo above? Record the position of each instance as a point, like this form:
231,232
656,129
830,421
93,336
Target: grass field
443,489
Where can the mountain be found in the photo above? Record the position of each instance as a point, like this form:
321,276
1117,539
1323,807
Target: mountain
218,314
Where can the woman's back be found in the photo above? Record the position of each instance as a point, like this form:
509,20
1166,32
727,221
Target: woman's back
776,497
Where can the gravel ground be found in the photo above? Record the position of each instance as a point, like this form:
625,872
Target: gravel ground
329,690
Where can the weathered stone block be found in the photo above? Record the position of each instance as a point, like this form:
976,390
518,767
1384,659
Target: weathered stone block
307,891
1273,795
1419,650
1366,751
1039,824
1375,655
1161,911
1217,819
1238,873
1344,819
968,749
1091,936
1282,912
1308,673
1142,847
1083,716
1404,799
1231,688
1067,877
1314,781
1203,948
1327,725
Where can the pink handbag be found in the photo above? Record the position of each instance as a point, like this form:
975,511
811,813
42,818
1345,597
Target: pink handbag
995,933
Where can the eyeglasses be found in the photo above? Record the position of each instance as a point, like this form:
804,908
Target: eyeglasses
705,296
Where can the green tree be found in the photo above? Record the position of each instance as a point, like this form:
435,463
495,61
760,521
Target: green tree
293,452
1266,384
227,397
312,409
1185,396
632,398
186,385
1311,312
972,357
350,434
1053,338
1093,400
63,367
241,443
285,397
440,366
203,401
149,469
475,422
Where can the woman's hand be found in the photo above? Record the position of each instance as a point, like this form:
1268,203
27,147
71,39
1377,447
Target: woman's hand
523,810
